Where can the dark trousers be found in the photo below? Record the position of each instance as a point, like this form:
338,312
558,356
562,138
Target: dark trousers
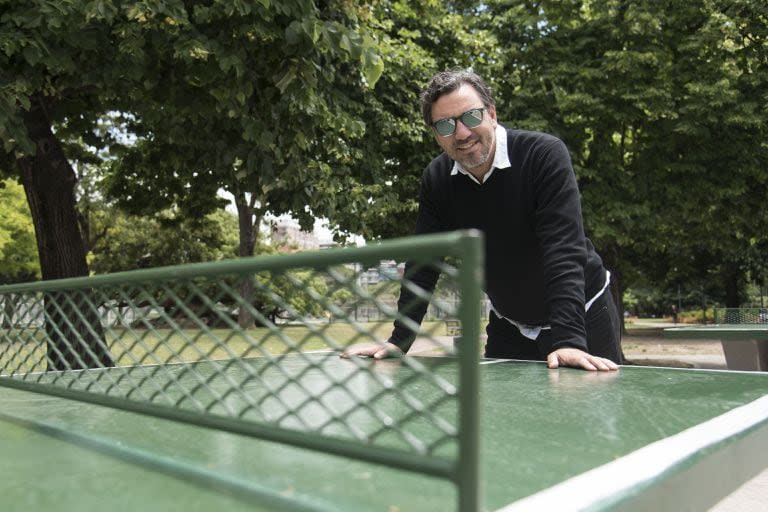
603,335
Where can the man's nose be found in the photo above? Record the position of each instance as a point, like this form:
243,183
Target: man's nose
462,132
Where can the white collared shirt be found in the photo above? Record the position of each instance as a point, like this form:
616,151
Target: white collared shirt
500,157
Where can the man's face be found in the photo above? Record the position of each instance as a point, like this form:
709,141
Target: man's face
473,148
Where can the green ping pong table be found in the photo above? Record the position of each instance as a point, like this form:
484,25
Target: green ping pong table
745,345
641,438
141,391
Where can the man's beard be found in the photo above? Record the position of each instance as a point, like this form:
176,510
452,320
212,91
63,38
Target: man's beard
470,162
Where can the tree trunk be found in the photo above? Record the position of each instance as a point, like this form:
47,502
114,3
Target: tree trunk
248,227
9,309
734,287
73,327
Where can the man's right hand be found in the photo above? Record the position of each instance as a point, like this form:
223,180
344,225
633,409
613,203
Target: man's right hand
374,350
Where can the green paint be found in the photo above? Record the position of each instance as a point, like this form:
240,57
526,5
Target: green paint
539,427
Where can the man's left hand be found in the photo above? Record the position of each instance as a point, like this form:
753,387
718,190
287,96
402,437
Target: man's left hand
576,358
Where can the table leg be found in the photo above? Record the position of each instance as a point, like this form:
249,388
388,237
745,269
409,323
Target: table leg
751,355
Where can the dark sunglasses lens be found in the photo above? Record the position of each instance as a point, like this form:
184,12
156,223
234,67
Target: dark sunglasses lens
473,118
445,127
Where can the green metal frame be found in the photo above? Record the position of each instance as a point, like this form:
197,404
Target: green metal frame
465,246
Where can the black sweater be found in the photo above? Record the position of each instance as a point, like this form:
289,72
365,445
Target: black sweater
539,265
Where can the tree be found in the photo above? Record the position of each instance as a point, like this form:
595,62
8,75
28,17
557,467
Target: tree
631,87
67,64
18,254
256,106
133,242
378,196
60,61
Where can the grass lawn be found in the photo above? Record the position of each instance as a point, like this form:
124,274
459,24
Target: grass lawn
166,346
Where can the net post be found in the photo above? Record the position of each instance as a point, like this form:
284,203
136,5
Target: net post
468,464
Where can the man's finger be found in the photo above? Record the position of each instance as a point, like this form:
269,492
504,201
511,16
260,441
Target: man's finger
603,364
552,361
576,358
374,350
361,352
587,364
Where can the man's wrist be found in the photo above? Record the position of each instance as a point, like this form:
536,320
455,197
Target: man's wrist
567,344
403,345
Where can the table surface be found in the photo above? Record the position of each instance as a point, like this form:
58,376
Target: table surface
641,438
720,331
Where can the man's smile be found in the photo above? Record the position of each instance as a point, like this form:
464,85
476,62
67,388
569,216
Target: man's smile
466,145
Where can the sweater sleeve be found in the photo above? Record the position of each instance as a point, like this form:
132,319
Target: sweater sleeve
412,307
560,231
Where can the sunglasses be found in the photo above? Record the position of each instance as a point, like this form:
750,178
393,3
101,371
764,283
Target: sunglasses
470,119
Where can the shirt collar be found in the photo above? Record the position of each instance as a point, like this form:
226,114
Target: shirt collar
500,157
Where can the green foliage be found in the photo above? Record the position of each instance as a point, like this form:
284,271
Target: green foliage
756,295
311,108
18,251
89,56
257,104
697,316
294,295
662,108
220,95
295,301
376,196
132,242
304,134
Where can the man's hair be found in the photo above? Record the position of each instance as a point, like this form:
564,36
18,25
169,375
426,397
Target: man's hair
448,81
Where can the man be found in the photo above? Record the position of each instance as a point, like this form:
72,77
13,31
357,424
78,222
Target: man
546,283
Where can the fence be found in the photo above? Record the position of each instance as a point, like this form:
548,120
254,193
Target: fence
741,315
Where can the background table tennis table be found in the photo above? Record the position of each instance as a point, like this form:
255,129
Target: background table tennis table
745,345
637,439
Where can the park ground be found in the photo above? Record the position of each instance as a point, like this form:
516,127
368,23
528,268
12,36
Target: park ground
644,344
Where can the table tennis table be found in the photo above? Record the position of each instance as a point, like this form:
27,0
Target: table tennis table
641,438
745,345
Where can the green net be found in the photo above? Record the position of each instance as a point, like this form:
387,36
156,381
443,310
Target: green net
252,346
741,315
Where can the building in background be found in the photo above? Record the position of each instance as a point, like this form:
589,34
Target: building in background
286,232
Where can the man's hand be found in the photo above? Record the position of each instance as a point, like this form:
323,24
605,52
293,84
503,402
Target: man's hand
579,359
374,350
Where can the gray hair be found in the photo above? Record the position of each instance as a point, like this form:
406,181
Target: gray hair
448,81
